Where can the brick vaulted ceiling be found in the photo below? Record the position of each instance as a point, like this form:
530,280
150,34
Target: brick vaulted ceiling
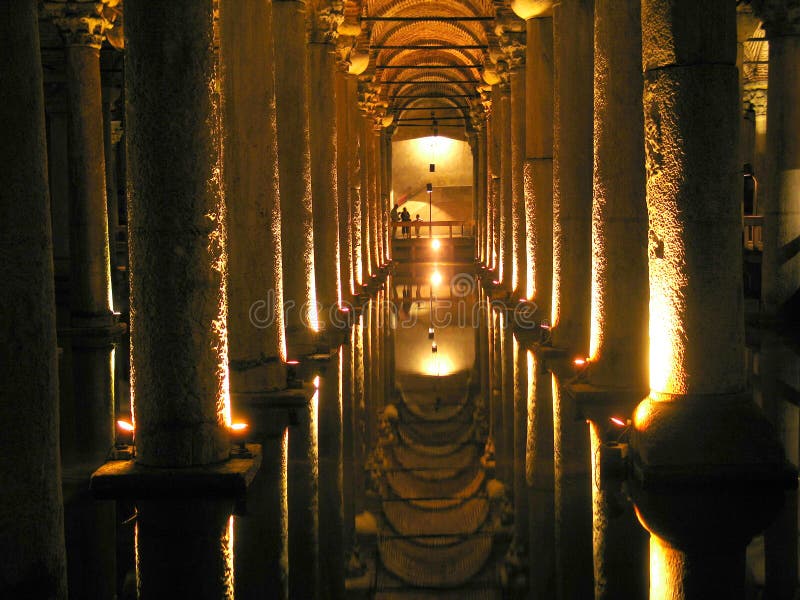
427,57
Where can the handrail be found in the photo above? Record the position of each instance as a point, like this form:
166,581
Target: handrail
421,226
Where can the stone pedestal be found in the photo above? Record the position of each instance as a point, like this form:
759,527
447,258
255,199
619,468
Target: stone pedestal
31,513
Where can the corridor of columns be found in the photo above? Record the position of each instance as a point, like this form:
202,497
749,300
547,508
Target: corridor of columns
399,299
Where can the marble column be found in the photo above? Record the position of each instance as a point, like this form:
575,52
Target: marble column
572,247
377,200
31,517
256,344
176,236
324,182
709,471
781,263
294,162
619,342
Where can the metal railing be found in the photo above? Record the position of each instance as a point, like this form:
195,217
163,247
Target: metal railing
753,231
429,229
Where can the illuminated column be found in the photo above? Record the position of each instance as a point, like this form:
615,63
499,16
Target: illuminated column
707,470
294,161
619,344
539,164
513,45
176,236
303,502
362,130
505,210
184,548
377,202
344,180
253,211
94,327
110,139
31,513
324,183
572,247
781,263
331,517
538,182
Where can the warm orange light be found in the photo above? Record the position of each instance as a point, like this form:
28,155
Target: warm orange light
436,278
316,382
239,426
436,244
124,425
580,362
434,347
618,421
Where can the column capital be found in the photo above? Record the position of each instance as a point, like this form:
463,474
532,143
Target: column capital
81,22
757,98
325,21
781,17
511,33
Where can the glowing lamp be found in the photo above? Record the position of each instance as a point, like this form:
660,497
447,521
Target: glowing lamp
292,363
434,348
238,433
619,422
580,363
125,426
436,244
316,382
124,433
429,188
495,282
430,333
436,278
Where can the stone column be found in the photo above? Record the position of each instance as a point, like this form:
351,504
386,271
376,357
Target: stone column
349,436
506,211
324,183
377,200
176,236
781,263
513,45
184,548
331,517
619,342
709,471
344,181
360,448
506,357
572,247
256,344
31,517
94,328
294,161
110,139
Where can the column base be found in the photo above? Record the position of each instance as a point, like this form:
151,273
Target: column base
128,479
706,471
